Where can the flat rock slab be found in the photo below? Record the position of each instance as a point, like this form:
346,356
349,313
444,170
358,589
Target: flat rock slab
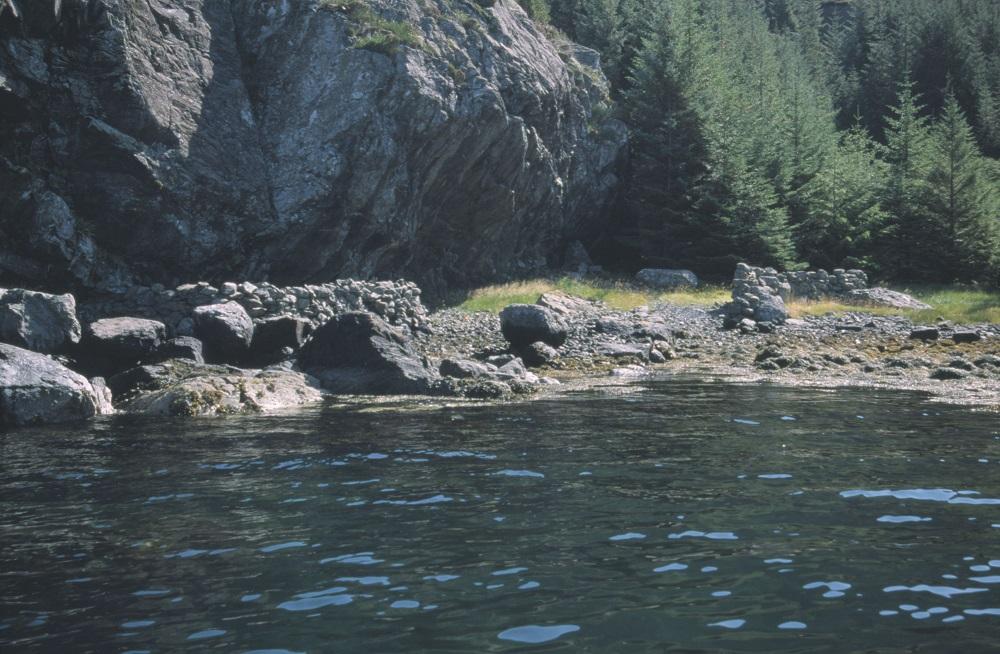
184,388
883,297
667,278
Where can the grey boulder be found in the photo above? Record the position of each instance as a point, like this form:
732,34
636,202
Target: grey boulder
358,352
523,324
666,278
226,331
38,321
538,354
111,343
182,347
35,389
771,308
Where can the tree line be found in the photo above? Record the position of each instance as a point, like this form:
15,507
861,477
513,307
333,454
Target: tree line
805,133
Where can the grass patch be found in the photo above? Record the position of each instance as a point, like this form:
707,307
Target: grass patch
957,304
616,294
370,31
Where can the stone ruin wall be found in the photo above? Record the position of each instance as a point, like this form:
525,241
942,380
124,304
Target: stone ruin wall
810,285
398,303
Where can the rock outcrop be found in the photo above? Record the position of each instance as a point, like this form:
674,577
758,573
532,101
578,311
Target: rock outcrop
184,388
35,389
437,139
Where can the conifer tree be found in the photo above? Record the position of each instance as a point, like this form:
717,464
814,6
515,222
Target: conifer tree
961,200
908,238
840,209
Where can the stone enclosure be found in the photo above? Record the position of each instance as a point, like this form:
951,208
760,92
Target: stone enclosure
398,303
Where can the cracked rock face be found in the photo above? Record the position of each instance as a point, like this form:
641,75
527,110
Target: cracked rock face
256,139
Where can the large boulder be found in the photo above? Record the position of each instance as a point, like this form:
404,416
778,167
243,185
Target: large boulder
186,388
112,344
524,324
35,389
38,321
666,278
358,352
226,330
770,309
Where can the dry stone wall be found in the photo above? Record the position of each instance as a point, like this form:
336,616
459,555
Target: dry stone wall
396,302
812,284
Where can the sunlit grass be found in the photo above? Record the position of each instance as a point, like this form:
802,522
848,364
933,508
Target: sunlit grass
616,294
957,304
960,305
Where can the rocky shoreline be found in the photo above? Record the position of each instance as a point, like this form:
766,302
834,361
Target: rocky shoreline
856,349
245,348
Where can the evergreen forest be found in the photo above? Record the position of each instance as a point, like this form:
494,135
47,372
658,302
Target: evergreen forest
804,133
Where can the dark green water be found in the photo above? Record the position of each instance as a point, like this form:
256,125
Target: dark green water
673,516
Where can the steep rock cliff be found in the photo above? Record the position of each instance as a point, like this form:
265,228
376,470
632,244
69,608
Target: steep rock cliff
163,140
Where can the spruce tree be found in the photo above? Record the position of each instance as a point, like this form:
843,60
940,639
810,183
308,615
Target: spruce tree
841,214
961,200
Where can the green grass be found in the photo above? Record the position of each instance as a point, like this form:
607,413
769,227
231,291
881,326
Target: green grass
372,32
616,294
957,304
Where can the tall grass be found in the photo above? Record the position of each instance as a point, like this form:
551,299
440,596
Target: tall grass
957,304
616,294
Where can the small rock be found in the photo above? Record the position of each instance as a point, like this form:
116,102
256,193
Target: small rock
628,371
925,333
948,373
961,364
182,347
967,337
465,369
538,354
